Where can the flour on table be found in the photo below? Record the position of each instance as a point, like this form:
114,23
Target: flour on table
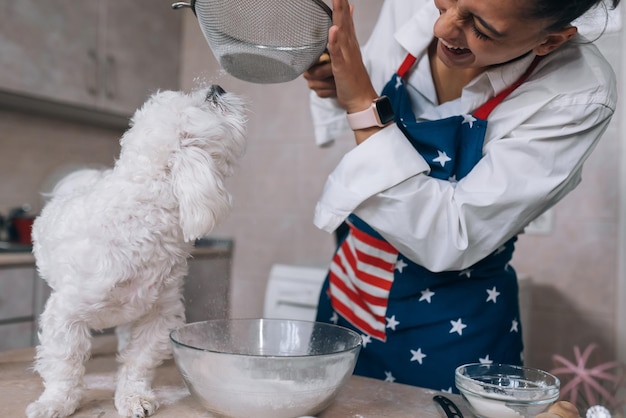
166,395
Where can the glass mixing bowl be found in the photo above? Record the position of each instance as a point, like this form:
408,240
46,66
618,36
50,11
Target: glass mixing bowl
506,391
264,368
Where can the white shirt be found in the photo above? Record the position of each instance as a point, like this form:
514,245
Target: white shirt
535,145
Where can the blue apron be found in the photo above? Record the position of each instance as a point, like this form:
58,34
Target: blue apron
418,326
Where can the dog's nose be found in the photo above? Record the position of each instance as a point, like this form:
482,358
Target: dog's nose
214,92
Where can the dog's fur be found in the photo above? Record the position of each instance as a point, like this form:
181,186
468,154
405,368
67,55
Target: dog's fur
113,245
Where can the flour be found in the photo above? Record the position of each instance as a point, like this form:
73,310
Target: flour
267,398
490,408
246,386
166,395
105,381
502,407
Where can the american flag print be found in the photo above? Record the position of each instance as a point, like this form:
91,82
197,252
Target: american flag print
361,275
417,326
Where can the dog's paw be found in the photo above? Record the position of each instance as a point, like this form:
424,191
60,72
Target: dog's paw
136,406
49,409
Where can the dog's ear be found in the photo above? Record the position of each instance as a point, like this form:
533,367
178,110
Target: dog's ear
199,188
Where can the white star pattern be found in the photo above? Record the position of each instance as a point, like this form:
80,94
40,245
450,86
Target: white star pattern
366,339
417,355
391,322
398,82
514,325
389,377
400,265
426,295
485,360
466,272
449,390
452,178
493,295
469,119
334,318
442,158
457,326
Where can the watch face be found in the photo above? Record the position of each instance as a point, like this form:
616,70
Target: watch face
385,111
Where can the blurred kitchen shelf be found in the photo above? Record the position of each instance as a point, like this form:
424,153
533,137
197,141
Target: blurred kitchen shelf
26,103
11,247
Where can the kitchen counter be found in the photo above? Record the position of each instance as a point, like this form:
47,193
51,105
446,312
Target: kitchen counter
206,248
16,259
360,398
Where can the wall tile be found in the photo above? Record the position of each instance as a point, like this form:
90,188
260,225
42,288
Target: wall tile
35,151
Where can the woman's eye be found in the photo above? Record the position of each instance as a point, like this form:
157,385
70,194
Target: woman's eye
478,33
468,19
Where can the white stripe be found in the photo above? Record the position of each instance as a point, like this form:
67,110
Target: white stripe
369,268
373,252
365,316
352,281
387,256
354,284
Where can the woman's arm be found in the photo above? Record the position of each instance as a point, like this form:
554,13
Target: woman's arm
443,225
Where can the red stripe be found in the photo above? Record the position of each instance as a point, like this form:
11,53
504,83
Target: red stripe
358,296
363,276
349,315
374,261
372,241
349,280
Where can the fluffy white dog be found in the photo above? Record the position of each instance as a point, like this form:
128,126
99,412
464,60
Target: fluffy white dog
113,245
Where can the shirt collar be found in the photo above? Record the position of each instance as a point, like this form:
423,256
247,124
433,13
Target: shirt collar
415,35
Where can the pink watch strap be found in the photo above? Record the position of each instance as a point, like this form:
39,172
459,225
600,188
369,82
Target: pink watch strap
363,119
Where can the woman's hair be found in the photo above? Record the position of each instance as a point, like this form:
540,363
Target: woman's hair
563,12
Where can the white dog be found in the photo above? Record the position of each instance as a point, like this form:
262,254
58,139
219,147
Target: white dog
113,245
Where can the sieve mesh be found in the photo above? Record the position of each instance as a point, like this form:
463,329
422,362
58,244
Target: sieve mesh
265,41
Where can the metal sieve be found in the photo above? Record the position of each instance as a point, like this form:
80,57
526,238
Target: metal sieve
263,41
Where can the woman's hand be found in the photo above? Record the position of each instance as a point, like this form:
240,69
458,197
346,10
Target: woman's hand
353,85
345,77
320,78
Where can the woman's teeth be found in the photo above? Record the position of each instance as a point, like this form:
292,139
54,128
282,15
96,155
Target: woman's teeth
455,49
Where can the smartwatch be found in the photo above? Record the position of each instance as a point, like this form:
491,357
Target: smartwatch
380,113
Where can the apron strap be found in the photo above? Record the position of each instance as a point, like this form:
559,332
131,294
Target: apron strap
483,111
406,65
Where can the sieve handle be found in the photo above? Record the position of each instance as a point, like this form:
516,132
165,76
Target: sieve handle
180,5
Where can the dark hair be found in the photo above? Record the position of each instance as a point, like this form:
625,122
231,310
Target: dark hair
563,12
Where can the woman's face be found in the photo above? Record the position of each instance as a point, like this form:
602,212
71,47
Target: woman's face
481,33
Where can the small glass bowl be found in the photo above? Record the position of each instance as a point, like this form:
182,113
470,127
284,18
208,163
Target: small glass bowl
506,391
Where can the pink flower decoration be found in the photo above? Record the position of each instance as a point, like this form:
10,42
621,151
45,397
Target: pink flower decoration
590,382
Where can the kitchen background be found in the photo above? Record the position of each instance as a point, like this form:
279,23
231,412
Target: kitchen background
72,72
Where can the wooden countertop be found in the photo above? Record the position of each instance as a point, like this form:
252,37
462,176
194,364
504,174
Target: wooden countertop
360,398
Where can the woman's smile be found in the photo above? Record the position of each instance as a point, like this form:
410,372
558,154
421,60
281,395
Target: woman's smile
454,56
456,50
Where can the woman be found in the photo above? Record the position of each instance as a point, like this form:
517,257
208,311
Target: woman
472,117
